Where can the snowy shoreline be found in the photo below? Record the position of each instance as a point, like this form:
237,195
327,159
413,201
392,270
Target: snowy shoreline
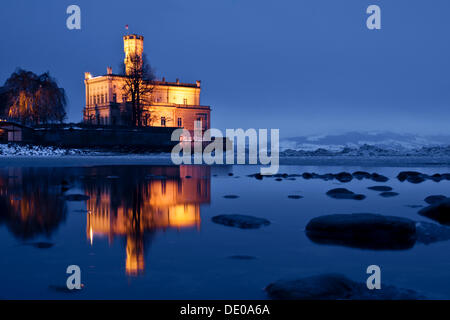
164,160
19,156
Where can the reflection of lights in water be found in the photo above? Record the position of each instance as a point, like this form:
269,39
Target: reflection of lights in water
134,263
149,205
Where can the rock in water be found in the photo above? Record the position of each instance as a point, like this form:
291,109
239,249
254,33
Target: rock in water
363,230
240,221
411,176
334,287
439,212
342,193
307,175
430,232
41,245
231,196
388,194
294,196
361,175
344,177
435,199
380,188
402,176
76,197
378,177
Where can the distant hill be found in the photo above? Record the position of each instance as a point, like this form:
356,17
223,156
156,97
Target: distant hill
384,140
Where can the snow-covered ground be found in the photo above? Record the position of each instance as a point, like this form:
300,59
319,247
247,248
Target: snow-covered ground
380,149
31,150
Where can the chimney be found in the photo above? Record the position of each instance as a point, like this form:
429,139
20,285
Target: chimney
178,81
109,70
198,83
164,79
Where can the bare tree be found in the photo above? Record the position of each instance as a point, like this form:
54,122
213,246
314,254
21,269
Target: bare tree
138,87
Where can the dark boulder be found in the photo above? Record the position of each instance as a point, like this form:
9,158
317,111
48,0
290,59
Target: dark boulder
334,287
363,230
439,212
402,176
378,177
240,221
428,233
231,196
388,194
344,177
436,177
380,188
258,176
435,199
307,175
412,177
342,193
326,176
361,175
41,245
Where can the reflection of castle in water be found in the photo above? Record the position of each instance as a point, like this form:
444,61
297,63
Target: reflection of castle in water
30,201
156,198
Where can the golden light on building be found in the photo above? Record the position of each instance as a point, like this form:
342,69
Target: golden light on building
170,104
133,45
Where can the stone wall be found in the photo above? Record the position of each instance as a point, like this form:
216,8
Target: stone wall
101,137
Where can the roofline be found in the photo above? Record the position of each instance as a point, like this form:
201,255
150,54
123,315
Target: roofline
156,82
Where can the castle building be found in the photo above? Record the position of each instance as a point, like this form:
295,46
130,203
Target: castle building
171,104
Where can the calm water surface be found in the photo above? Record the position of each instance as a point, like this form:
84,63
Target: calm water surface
146,232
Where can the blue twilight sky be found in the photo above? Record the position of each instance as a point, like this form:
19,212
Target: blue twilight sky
304,66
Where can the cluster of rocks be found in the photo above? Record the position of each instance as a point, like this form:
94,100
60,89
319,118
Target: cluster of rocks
385,191
417,177
410,176
341,176
364,231
240,221
342,193
346,176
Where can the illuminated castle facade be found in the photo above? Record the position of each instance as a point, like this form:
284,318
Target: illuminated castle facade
171,104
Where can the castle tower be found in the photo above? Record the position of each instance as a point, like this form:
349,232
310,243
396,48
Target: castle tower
133,45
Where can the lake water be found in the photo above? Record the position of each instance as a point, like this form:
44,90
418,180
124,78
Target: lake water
146,231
